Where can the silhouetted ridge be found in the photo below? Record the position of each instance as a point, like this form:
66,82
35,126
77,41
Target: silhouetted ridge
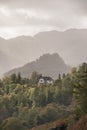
47,65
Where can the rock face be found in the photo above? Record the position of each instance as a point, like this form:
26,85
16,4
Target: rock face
47,65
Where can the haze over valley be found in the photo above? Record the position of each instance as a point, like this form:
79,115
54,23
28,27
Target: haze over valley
71,45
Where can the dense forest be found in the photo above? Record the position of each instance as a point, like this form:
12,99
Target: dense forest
24,105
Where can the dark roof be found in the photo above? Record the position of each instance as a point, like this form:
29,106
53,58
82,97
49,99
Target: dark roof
47,78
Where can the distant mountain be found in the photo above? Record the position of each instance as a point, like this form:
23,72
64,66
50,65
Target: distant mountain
6,62
3,58
47,65
70,44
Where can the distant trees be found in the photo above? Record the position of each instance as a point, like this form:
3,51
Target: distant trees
35,78
58,82
1,84
13,78
16,78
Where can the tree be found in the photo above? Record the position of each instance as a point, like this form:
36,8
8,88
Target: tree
35,78
58,82
13,78
80,89
67,83
6,80
19,78
1,84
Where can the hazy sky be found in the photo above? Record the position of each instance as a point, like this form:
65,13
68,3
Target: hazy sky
27,17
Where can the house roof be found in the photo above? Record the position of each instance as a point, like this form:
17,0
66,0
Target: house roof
47,78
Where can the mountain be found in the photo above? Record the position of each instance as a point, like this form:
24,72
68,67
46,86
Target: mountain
6,62
70,44
2,62
47,64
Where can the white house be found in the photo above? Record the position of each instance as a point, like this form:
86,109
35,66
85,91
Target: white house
45,81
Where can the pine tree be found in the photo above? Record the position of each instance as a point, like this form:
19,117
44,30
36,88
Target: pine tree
80,88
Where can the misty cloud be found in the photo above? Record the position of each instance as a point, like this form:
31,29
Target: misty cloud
47,13
45,4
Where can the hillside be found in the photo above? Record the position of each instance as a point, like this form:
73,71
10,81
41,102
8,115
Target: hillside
26,106
47,64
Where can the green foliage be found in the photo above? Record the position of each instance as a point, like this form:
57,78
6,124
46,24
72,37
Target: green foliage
35,78
13,124
22,99
1,84
58,82
80,88
19,78
50,113
29,115
13,78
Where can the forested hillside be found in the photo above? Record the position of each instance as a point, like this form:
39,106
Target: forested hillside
24,105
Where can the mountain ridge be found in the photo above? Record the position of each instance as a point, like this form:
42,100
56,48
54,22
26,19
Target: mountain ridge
70,44
47,65
51,31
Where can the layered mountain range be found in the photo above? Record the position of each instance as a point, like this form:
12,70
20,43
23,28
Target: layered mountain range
71,45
